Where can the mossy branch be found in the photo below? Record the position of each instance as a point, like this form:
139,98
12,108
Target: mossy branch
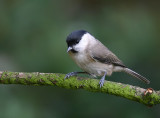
148,97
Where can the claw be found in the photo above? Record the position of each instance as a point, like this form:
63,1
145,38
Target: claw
101,82
70,74
74,73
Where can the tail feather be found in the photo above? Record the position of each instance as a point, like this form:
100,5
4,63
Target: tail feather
134,74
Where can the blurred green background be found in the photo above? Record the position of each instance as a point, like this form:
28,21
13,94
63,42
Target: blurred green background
32,39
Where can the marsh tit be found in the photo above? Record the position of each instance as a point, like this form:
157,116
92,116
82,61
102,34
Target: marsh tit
94,58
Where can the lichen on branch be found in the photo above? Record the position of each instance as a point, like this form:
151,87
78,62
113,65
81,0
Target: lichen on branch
147,97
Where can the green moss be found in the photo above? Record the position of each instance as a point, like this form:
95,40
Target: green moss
126,91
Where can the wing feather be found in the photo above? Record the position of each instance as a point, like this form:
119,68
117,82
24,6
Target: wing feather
102,54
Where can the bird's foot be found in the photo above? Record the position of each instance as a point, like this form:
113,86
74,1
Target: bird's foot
101,82
74,73
70,74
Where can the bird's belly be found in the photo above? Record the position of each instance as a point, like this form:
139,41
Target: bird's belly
91,66
97,68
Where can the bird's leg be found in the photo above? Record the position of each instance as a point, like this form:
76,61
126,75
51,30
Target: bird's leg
101,82
74,73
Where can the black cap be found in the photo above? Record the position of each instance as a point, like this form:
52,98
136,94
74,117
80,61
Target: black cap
75,37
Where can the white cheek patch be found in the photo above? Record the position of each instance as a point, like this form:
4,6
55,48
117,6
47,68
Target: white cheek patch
81,46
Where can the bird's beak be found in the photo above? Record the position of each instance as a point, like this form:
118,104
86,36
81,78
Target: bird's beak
69,48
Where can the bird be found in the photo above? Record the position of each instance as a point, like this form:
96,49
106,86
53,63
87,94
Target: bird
94,58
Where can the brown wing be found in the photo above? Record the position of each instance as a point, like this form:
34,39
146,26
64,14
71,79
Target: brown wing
102,54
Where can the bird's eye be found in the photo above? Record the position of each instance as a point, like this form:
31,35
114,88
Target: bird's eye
77,41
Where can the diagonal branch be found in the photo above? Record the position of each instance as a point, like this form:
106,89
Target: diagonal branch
148,97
